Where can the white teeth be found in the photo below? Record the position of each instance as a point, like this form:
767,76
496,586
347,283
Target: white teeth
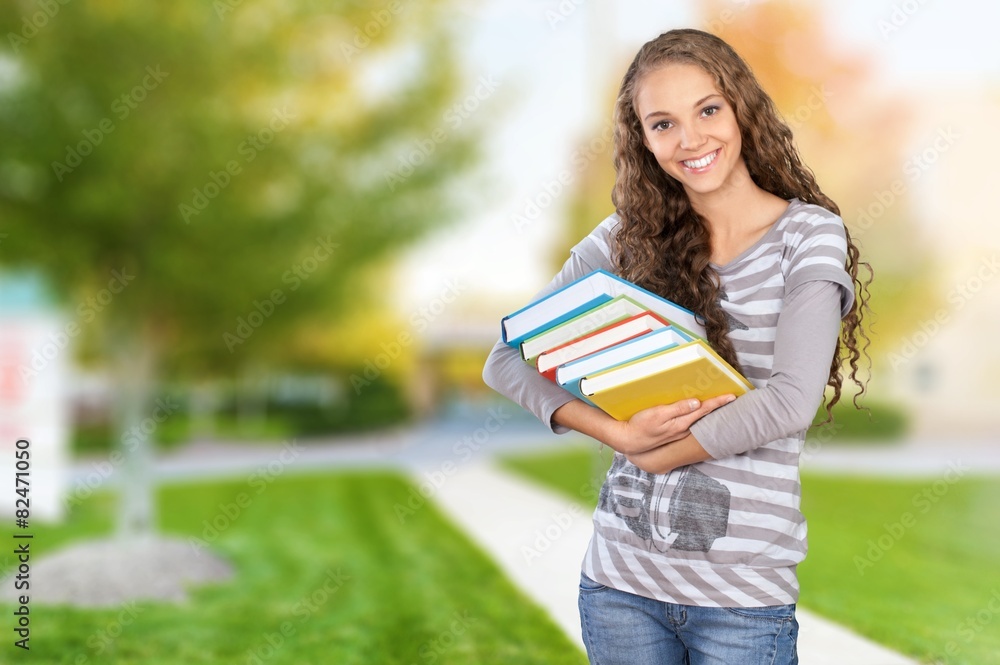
703,162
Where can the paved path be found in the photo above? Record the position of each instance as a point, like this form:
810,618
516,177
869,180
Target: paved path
478,437
538,538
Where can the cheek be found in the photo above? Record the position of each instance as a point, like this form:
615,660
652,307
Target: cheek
734,135
649,142
663,149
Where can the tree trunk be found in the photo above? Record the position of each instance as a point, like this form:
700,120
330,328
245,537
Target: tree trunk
136,423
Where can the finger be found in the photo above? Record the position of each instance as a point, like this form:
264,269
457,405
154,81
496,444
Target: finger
679,415
682,408
710,405
706,407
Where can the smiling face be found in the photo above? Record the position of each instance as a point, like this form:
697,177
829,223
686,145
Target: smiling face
691,130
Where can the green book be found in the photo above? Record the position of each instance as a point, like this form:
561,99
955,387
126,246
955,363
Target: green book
615,310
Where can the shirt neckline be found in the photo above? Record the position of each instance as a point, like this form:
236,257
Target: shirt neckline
773,230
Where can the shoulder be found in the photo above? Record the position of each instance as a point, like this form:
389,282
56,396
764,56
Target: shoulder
595,248
816,250
806,226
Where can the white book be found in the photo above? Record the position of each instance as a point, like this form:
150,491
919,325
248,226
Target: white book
583,294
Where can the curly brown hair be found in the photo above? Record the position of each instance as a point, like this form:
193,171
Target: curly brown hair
658,220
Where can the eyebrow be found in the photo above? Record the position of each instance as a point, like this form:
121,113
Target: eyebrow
695,105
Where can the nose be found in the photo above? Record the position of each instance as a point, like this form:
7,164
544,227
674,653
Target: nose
691,138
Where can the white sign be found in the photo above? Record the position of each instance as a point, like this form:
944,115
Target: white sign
34,406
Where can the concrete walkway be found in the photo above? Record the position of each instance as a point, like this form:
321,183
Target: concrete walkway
538,538
433,444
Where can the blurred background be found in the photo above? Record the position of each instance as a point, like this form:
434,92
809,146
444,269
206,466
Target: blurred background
253,255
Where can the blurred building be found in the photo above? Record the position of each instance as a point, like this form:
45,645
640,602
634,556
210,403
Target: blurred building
450,365
946,369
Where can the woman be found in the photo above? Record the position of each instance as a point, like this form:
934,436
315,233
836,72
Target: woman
698,530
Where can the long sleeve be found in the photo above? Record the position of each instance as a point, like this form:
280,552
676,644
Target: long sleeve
805,341
505,371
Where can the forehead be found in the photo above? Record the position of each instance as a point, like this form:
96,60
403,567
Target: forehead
673,88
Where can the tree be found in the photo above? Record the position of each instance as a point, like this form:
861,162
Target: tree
198,179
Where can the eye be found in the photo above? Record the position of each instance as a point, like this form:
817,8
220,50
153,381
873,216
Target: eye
661,126
710,110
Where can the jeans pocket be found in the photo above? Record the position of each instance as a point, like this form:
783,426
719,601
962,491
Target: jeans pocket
783,612
587,584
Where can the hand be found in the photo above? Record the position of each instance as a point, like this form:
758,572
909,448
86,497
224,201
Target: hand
660,425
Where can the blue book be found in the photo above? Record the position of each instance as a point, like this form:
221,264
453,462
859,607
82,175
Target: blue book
569,375
584,294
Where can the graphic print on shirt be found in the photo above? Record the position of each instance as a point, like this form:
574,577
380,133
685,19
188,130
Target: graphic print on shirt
628,493
734,323
698,510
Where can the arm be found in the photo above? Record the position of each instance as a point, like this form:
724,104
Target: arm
506,373
649,430
805,340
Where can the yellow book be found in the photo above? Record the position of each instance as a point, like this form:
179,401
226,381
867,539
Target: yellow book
682,372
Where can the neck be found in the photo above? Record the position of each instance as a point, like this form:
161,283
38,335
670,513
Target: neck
726,209
737,215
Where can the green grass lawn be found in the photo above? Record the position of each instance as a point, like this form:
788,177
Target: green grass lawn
324,558
912,564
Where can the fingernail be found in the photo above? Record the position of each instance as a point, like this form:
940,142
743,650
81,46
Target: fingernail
732,398
694,404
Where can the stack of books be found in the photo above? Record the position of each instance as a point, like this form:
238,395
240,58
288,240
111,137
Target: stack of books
619,347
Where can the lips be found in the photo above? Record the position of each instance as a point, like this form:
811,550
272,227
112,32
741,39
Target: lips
702,162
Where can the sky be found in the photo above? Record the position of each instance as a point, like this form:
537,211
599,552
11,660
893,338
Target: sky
554,64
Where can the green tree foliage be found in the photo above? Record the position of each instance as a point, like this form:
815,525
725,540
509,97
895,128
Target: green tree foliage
199,179
234,161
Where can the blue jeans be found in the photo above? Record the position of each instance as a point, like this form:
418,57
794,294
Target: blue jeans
620,627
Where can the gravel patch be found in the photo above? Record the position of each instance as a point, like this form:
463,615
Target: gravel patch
109,572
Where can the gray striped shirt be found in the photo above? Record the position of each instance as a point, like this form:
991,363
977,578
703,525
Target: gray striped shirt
726,532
